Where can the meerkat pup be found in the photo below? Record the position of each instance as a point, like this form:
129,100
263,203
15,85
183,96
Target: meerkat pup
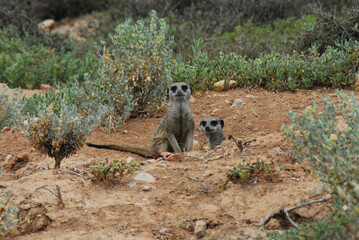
175,132
213,129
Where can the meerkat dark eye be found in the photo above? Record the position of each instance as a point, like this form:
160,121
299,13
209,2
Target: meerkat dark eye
173,88
203,123
214,123
184,88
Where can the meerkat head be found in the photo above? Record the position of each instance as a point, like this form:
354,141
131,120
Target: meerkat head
211,125
179,91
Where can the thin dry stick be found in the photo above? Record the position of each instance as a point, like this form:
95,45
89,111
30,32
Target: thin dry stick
61,202
288,217
262,224
51,191
58,195
190,156
67,171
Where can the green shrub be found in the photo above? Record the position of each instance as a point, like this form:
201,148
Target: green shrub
335,67
28,66
329,141
9,223
136,67
109,172
247,172
330,28
276,37
59,130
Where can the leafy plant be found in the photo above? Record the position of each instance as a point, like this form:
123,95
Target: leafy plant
136,66
329,141
331,27
28,62
335,67
276,37
109,172
9,223
247,172
59,130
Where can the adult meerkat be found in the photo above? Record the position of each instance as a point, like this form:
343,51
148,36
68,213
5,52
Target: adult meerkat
175,132
213,129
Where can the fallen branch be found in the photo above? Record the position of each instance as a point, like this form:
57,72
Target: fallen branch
61,202
68,171
285,211
287,215
241,144
58,195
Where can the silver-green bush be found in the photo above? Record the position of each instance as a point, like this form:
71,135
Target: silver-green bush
136,66
330,142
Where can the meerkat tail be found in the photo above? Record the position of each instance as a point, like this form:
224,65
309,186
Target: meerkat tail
124,148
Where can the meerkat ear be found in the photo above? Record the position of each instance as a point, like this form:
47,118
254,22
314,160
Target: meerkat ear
222,123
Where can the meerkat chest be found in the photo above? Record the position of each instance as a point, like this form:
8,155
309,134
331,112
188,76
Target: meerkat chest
181,118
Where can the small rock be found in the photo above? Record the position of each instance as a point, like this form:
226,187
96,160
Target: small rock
318,191
125,132
162,231
219,86
278,151
143,163
144,177
45,87
131,184
247,152
146,188
136,138
235,117
6,129
129,160
237,102
176,157
200,229
46,25
7,158
250,96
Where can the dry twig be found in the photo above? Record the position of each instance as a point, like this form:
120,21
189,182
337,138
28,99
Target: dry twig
285,211
68,171
58,195
241,144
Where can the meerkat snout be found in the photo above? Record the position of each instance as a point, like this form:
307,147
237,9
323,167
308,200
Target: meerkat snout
213,129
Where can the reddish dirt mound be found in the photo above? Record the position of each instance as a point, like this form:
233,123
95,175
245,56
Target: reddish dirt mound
183,192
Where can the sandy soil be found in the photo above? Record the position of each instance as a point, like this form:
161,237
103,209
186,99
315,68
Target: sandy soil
182,193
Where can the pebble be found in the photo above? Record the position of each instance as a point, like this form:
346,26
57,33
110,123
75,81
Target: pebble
7,158
125,132
200,229
144,177
146,188
219,86
162,231
131,184
237,102
278,151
